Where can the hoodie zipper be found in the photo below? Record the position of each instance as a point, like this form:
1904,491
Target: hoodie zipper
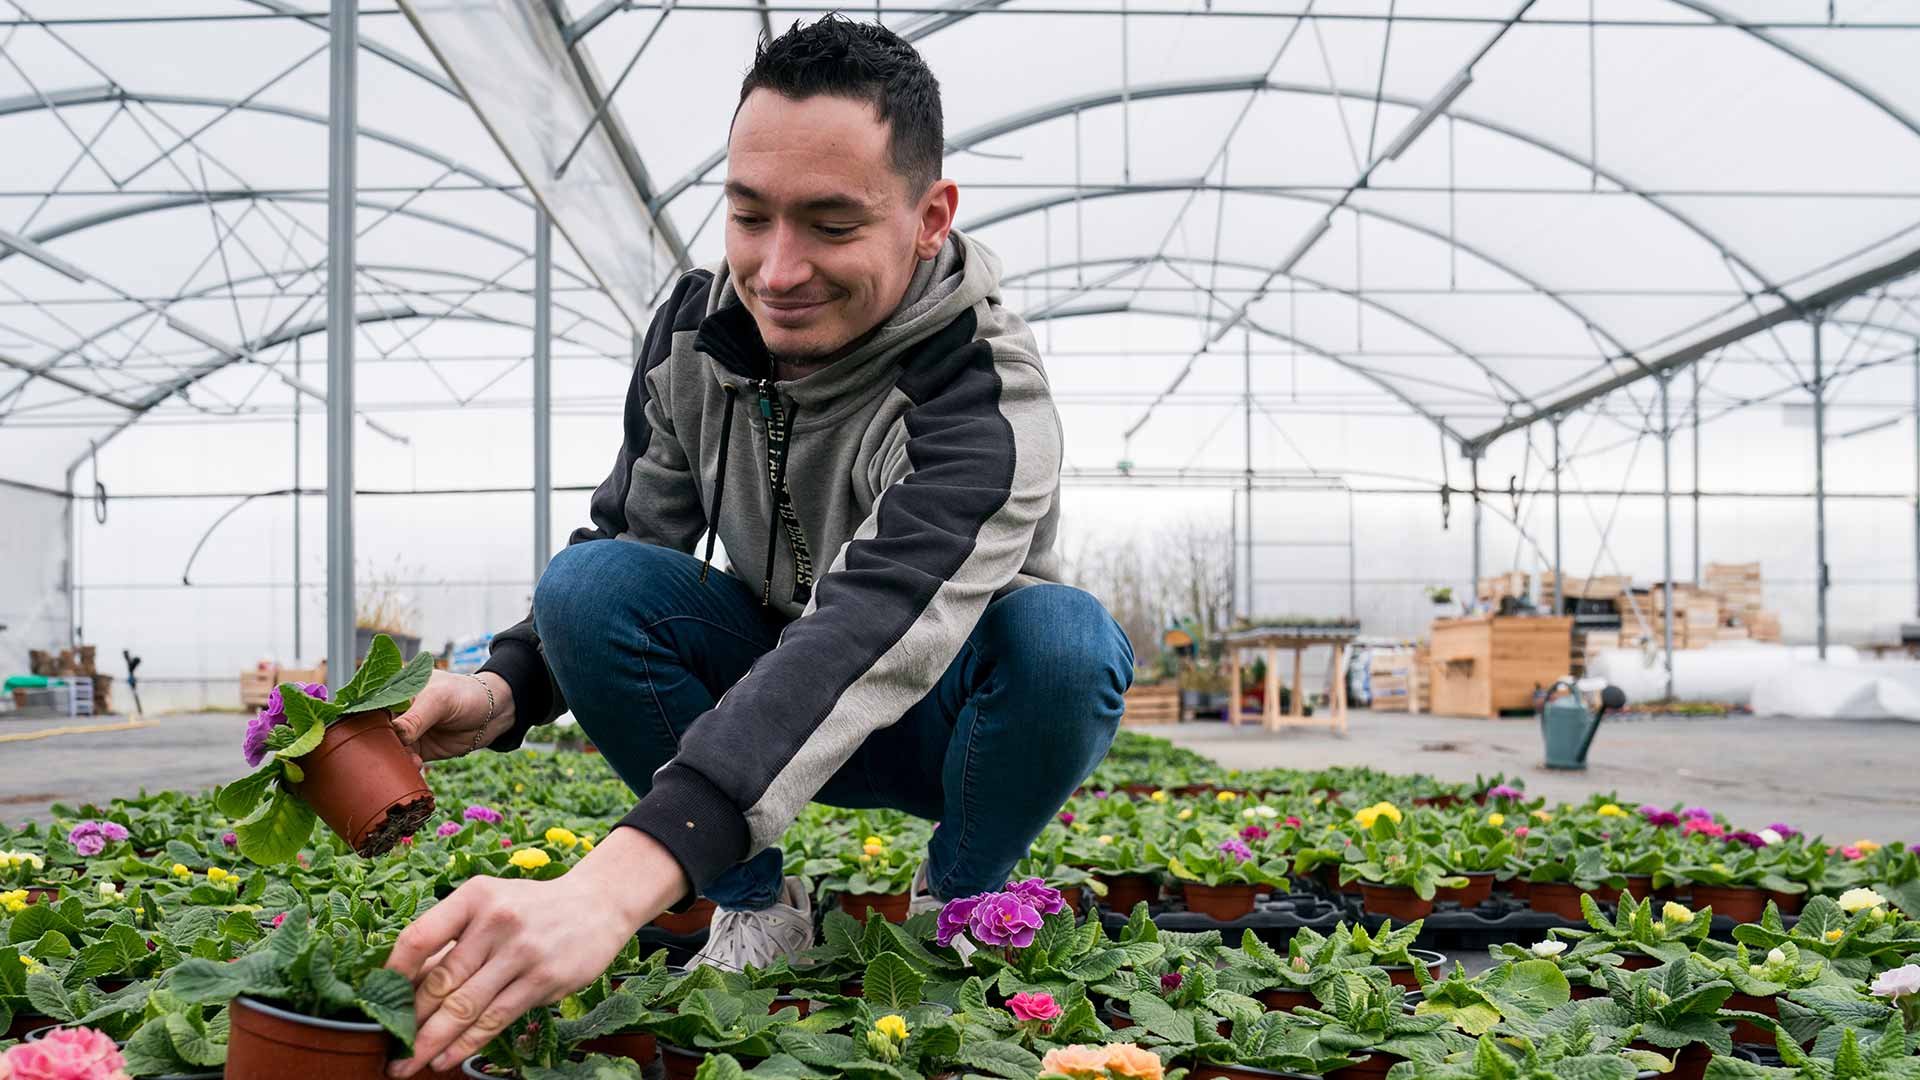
776,416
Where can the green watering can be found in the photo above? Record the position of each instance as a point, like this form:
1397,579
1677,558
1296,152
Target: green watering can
1567,727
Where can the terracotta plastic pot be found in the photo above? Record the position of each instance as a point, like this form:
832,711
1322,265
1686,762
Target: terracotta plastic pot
1789,903
1518,888
1072,898
805,1005
48,893
1128,890
637,1047
1638,962
1330,877
1287,1000
1639,885
1439,802
1140,790
364,785
1746,1031
1475,892
1556,898
1402,975
268,1041
891,906
1396,902
689,922
1583,993
1739,903
1373,1068
1690,1064
1223,902
681,1063
24,1022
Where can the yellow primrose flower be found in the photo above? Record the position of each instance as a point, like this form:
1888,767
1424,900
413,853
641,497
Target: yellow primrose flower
875,841
893,1026
1158,796
1835,935
560,837
179,870
529,858
872,849
29,963
586,843
1612,810
866,859
1674,913
1227,796
1542,815
1854,900
1867,847
1106,839
215,873
13,901
1367,816
1185,813
1496,820
519,789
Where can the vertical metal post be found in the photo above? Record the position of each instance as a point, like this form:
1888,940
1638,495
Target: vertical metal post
1916,476
1246,375
342,126
1473,583
1559,571
1233,554
542,391
1815,320
1695,368
1666,523
298,639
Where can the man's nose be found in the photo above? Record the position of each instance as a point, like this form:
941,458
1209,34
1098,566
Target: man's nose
785,266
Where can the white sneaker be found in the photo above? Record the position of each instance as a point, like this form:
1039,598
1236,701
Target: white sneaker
738,938
920,894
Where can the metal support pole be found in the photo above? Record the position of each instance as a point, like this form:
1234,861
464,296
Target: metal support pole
1246,369
1559,573
298,638
1695,369
1666,523
342,124
1815,320
1473,583
1233,554
1916,476
542,391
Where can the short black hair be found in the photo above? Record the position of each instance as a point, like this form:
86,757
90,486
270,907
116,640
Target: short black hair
865,62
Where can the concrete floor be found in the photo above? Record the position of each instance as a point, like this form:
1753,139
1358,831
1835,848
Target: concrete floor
1845,779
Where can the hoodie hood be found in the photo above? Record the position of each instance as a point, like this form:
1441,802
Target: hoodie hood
963,273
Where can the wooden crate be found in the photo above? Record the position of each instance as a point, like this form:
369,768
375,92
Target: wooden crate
256,684
1511,583
1149,706
1390,677
1483,665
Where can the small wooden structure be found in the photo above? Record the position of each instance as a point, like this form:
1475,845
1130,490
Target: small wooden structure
1151,705
1296,638
256,684
1485,664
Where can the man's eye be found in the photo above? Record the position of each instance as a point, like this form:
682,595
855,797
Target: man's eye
837,231
745,219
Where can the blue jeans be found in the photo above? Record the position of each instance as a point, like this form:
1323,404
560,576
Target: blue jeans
642,649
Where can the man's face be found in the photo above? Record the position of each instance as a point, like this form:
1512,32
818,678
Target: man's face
822,233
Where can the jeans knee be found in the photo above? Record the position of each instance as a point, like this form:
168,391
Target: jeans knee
564,589
1070,655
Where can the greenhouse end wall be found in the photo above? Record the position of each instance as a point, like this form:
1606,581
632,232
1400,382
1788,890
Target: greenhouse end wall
34,608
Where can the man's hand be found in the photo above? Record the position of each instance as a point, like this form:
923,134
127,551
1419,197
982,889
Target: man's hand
496,948
447,716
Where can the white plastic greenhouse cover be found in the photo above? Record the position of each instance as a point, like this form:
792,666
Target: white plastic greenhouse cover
1462,214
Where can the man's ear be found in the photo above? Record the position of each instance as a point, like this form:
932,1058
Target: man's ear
937,208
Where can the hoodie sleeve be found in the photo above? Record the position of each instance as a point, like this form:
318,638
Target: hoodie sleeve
978,473
651,470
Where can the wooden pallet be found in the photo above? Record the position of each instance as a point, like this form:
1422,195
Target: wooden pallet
1151,706
255,685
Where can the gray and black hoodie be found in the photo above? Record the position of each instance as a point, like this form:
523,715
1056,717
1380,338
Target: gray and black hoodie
880,502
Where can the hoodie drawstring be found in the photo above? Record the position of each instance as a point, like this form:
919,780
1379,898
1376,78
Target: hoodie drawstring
720,481
776,482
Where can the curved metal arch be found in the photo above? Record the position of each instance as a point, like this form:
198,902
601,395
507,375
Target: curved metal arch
1351,294
52,364
1334,358
282,336
1254,83
1037,205
100,95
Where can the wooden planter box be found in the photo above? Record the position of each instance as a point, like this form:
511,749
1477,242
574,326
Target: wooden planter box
1148,706
1489,663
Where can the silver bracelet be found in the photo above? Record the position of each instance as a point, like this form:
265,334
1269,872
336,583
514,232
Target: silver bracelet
480,735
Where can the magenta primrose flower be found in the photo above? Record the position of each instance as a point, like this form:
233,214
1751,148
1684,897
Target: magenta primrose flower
1039,1007
1237,848
1752,840
1066,817
1504,791
1002,920
253,745
90,838
482,813
447,828
1046,901
1254,832
1171,981
1787,832
1696,812
953,918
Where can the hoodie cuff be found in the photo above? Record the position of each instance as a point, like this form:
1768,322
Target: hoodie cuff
696,822
525,673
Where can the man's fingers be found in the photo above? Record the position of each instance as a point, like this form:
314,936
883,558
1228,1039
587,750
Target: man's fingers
457,968
432,932
474,1006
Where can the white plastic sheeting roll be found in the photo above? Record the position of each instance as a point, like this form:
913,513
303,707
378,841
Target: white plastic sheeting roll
1876,691
1728,674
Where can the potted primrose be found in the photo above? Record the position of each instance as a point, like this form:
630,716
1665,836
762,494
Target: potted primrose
336,757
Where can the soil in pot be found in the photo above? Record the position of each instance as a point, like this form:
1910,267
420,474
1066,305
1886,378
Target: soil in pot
892,907
1739,903
24,1022
1475,892
689,922
1691,1064
364,785
1222,902
1638,962
268,1041
805,1005
1126,891
1396,902
638,1047
1402,975
1746,1031
1285,1000
1556,898
681,1064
